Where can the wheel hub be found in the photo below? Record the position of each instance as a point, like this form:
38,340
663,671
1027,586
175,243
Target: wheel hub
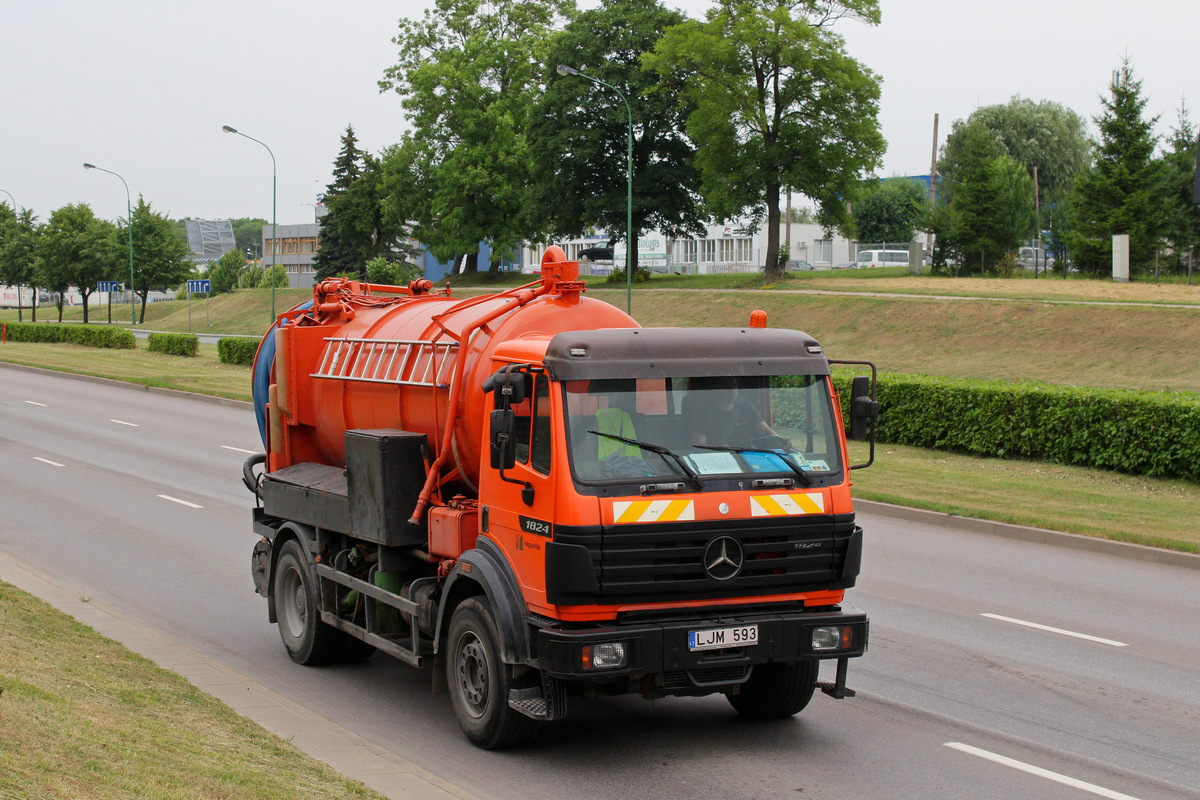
473,676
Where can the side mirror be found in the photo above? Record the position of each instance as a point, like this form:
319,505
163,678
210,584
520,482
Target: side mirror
863,409
503,439
510,388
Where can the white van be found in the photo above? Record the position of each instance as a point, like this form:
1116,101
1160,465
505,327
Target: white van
882,258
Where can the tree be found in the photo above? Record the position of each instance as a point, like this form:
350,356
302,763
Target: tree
889,211
19,234
337,254
1045,135
988,206
469,75
1183,215
578,137
225,275
777,102
247,234
276,275
161,259
1124,192
76,249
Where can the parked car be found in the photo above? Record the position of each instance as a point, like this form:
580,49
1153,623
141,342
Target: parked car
1034,257
846,265
800,265
882,258
596,254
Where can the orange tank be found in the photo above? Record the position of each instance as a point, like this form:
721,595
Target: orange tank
368,357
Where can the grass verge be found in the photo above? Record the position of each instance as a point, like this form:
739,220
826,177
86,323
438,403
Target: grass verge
82,716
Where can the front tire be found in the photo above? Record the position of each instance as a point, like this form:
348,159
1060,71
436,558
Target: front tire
775,690
479,681
308,640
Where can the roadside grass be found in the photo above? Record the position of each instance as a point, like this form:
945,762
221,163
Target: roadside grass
82,716
1091,502
203,373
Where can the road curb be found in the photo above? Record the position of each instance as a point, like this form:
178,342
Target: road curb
326,741
1075,541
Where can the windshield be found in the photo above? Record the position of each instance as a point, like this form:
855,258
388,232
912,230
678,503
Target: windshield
690,428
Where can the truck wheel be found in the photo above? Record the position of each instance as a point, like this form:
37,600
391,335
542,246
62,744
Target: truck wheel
776,690
479,681
307,639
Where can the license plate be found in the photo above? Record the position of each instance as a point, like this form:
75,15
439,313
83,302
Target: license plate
716,638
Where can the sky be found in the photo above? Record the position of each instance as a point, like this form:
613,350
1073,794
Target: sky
143,87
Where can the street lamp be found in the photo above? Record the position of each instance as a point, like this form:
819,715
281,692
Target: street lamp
11,199
563,69
129,217
274,236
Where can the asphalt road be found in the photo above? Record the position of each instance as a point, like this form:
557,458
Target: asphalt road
997,668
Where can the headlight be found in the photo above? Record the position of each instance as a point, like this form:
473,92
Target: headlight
610,655
832,637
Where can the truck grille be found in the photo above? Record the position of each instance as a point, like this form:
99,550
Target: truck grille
650,563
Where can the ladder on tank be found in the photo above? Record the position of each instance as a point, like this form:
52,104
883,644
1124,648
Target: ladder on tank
401,362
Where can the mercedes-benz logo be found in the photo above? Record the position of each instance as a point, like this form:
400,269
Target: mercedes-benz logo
723,558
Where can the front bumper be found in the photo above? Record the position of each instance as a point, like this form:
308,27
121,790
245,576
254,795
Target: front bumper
662,647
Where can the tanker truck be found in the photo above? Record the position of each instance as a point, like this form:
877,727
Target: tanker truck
548,503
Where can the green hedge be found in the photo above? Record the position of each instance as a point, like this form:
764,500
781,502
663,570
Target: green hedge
1156,434
87,335
174,344
237,349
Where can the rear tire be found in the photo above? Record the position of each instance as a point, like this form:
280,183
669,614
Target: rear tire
776,690
308,640
479,681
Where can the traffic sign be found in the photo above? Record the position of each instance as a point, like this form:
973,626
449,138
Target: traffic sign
199,287
108,286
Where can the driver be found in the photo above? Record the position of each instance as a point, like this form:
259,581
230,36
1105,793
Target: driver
717,417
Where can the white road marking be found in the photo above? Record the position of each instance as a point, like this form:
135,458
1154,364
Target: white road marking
120,422
39,405
48,461
1065,780
1055,630
181,502
239,450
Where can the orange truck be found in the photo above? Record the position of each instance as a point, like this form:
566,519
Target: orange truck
553,503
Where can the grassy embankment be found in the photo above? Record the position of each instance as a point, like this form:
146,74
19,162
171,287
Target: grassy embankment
82,716
1067,332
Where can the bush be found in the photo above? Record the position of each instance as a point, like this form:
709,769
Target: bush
236,349
1156,434
174,344
86,335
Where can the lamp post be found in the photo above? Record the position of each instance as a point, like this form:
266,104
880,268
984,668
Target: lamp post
563,69
274,236
129,217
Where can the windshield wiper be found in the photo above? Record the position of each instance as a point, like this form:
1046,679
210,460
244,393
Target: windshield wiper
662,451
784,457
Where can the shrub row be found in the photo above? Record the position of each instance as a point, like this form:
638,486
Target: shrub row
87,335
1156,434
174,344
236,349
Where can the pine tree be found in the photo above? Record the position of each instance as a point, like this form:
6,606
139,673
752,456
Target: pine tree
337,254
1123,193
1183,216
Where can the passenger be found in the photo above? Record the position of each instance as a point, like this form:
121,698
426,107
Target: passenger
615,405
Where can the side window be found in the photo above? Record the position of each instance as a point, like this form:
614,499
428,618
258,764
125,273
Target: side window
542,446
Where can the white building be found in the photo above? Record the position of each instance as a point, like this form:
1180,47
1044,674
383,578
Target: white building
722,249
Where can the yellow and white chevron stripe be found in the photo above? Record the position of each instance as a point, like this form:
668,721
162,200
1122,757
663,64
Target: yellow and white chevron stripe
653,511
781,505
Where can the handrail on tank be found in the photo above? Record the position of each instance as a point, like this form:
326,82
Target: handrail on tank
549,282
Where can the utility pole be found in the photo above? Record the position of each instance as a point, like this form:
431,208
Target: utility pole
932,184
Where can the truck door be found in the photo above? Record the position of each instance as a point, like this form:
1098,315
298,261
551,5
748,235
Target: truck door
520,505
